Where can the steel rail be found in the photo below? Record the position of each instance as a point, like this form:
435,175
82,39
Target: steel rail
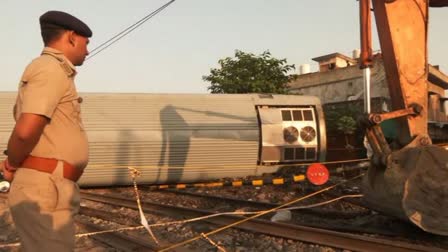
122,242
293,232
312,211
123,220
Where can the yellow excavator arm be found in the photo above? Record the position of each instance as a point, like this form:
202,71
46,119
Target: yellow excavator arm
408,181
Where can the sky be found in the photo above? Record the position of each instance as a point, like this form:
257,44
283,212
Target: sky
171,52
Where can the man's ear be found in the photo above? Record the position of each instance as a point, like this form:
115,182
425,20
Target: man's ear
71,37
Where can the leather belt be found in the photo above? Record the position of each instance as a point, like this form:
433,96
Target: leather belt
48,165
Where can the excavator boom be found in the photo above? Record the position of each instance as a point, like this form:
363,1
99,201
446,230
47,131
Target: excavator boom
402,31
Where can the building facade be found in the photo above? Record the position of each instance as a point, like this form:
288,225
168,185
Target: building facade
339,84
339,79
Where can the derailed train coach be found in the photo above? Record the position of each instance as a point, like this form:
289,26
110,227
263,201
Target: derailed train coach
182,138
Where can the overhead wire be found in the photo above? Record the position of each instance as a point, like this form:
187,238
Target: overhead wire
126,31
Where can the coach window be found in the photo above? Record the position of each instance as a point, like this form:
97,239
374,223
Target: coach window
300,154
286,115
308,115
289,154
310,153
297,115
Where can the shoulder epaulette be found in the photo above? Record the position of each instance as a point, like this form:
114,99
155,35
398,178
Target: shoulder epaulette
65,66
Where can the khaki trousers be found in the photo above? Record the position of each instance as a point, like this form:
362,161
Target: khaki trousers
43,206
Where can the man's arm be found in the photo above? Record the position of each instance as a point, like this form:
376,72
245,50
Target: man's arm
24,137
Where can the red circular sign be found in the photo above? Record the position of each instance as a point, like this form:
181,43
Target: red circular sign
317,174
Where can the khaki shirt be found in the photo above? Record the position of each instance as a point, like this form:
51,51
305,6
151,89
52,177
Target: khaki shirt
47,88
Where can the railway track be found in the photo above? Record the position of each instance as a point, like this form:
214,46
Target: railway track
318,217
293,232
268,205
129,241
347,215
123,242
116,240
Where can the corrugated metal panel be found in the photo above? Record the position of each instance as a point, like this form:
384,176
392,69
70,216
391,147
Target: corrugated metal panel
154,112
7,101
170,137
165,135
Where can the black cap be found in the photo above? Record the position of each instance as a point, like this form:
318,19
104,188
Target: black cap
59,19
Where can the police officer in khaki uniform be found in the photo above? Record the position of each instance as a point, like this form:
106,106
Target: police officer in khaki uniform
48,149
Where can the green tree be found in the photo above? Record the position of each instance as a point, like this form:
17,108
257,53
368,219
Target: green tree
249,73
347,125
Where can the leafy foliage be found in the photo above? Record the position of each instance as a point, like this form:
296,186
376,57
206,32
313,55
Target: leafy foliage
338,115
249,73
346,124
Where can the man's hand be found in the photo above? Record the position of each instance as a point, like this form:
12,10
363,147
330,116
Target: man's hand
7,170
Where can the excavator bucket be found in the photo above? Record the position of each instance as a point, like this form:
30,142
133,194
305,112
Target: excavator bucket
425,197
413,186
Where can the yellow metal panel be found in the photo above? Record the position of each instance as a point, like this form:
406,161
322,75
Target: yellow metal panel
298,178
257,182
237,183
278,181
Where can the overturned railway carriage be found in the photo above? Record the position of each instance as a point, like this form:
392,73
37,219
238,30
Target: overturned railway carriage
180,138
